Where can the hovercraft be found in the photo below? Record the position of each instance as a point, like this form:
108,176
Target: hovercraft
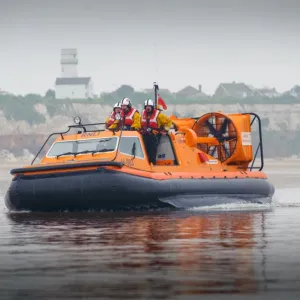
202,161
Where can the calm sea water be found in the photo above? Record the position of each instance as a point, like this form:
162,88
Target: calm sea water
243,251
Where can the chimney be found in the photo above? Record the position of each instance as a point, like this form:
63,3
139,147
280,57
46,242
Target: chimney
200,88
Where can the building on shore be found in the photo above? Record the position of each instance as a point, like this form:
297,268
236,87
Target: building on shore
69,85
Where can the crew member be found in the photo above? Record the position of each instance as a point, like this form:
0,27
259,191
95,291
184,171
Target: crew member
153,125
131,118
112,122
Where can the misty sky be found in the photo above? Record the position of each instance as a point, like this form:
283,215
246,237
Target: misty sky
136,42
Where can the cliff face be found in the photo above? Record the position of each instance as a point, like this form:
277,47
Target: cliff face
281,124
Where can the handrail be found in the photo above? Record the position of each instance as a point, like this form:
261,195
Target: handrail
80,125
260,144
61,133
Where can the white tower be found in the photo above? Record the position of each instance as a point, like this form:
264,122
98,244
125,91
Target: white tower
69,62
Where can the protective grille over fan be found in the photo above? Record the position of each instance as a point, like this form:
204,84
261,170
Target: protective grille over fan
218,135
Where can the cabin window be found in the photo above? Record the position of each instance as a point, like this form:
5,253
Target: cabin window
76,146
61,147
126,146
103,145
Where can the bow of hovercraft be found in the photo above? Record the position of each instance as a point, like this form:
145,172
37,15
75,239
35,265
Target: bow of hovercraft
84,171
77,187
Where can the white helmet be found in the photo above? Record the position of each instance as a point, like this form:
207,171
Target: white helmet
149,102
126,101
117,105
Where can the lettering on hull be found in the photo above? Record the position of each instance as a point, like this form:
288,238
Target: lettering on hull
88,134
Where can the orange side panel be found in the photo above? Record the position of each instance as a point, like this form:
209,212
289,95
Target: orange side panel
165,162
169,173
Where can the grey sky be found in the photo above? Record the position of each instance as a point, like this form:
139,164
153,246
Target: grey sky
137,42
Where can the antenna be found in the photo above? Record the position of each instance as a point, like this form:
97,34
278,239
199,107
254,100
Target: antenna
156,88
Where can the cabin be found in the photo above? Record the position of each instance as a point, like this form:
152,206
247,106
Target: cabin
105,143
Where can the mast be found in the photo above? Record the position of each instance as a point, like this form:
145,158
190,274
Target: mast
156,88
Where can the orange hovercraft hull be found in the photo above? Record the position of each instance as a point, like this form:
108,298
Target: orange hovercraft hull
205,161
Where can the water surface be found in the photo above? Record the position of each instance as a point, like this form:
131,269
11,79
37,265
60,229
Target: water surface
224,251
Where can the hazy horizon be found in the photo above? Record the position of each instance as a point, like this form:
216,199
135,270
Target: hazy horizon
176,43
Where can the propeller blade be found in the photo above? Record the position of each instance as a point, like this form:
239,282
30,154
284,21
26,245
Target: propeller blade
225,150
213,152
223,127
229,138
211,128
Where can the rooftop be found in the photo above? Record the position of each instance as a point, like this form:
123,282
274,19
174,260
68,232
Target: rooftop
72,81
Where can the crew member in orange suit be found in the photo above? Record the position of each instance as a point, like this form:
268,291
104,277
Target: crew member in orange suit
131,118
153,124
112,122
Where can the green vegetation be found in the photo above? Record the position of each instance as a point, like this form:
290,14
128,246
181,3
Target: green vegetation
22,107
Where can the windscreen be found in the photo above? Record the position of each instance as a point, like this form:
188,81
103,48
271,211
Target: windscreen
85,146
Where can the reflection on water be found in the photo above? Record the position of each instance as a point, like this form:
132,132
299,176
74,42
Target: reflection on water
133,256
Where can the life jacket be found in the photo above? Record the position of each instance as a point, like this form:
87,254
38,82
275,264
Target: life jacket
152,121
128,118
112,118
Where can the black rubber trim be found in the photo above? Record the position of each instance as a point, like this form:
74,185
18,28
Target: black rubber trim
68,166
100,189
